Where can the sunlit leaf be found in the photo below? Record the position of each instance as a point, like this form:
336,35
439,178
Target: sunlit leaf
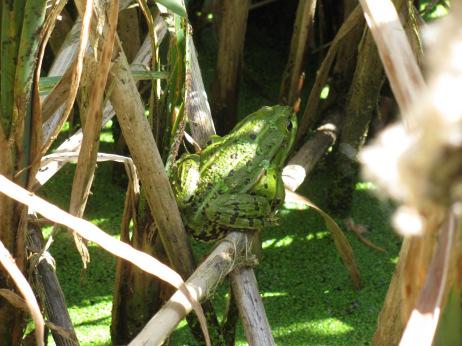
176,6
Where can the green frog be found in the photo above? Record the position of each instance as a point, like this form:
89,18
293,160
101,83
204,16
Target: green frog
235,182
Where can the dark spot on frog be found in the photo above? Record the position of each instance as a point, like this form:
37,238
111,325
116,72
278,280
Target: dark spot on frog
248,163
253,136
257,208
253,193
233,219
251,222
231,173
234,156
247,181
265,186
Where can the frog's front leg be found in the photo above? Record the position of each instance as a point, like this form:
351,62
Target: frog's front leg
185,178
240,211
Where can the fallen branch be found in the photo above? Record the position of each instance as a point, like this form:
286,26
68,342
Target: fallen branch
303,162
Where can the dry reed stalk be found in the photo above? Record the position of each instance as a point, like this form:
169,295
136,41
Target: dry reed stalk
7,261
86,163
396,54
129,108
75,74
290,86
232,28
423,321
406,81
136,130
200,116
250,305
48,289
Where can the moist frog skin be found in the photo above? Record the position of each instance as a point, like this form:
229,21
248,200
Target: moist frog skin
235,182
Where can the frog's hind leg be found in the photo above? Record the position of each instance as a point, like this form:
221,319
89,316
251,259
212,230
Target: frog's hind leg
240,211
209,234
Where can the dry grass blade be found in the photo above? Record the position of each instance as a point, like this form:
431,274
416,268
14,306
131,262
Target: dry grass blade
65,157
8,263
86,163
92,233
60,330
358,230
14,299
341,242
424,319
36,135
396,54
76,73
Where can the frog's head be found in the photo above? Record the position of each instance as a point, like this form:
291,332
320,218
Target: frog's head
273,128
284,118
283,122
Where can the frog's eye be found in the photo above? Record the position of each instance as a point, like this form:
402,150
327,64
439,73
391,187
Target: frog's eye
290,126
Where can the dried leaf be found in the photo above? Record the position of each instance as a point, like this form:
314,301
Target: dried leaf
86,163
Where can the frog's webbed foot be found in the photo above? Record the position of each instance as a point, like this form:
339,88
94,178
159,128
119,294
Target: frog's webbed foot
240,211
